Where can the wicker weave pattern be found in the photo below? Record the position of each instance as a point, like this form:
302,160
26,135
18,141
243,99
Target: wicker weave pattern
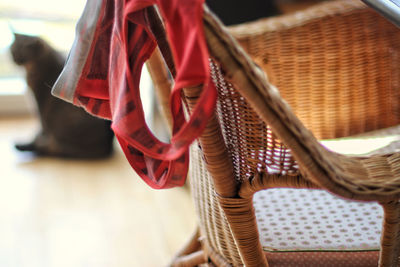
318,59
323,167
342,175
213,223
251,143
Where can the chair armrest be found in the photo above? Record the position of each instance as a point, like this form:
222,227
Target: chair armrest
375,177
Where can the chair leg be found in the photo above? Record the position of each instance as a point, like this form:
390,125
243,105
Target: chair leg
390,239
242,220
191,260
191,254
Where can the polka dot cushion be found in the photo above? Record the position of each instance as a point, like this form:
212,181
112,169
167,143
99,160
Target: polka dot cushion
323,259
314,220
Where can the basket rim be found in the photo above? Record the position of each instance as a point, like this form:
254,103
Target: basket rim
296,19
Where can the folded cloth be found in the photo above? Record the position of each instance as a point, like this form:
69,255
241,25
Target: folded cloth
102,74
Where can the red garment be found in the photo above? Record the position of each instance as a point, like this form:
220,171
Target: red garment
103,71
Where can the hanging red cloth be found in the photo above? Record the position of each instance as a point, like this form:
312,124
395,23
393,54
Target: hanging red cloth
103,71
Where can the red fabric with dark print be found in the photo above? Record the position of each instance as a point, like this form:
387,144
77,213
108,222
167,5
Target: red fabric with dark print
109,83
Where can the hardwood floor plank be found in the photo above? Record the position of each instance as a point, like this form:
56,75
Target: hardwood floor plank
56,213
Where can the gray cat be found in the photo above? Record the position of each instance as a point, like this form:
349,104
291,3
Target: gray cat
67,131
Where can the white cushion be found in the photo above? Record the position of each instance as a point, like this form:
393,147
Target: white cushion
314,220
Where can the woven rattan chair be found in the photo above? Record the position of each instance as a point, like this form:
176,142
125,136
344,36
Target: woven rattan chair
256,154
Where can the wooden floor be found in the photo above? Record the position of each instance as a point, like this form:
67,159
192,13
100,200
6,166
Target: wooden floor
56,213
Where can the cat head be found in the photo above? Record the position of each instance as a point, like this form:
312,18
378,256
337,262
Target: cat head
26,48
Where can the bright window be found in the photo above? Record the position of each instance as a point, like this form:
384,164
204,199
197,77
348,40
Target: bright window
52,20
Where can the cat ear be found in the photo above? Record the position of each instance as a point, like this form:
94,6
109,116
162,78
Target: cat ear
14,32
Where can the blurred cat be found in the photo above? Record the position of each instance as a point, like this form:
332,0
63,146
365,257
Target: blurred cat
66,130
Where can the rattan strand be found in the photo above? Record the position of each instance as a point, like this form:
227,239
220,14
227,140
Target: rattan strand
191,254
391,234
162,84
262,181
213,223
214,149
292,20
216,258
242,220
189,260
220,166
251,144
